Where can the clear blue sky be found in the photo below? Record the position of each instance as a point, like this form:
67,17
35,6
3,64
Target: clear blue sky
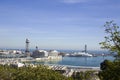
55,24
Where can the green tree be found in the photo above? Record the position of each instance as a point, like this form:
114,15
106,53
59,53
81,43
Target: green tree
30,73
110,70
112,38
87,75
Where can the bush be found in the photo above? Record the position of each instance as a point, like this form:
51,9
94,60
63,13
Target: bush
110,70
29,73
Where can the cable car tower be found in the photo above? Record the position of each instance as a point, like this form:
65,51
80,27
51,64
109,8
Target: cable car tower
27,48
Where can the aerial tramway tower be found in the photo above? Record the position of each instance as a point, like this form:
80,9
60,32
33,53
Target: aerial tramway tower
27,48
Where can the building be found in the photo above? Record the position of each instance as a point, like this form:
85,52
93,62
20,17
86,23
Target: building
45,55
54,54
39,54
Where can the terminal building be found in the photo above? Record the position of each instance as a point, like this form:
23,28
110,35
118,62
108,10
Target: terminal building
39,54
54,54
43,54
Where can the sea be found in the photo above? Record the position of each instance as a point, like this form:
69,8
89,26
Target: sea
80,61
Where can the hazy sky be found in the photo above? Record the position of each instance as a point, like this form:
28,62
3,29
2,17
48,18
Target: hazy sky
55,24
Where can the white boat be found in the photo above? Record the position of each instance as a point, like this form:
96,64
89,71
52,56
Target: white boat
81,54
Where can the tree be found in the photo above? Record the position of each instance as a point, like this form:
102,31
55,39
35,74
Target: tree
112,40
87,75
29,73
110,70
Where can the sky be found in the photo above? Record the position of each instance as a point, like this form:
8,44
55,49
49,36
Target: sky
56,24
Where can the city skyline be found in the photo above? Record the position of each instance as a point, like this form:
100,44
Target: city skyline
56,24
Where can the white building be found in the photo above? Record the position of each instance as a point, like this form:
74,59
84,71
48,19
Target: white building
40,54
15,52
54,54
46,55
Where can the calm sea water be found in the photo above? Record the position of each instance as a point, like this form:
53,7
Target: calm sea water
81,61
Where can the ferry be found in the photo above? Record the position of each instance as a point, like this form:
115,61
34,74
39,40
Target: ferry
80,54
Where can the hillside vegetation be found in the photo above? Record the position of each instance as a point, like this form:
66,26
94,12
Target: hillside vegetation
29,73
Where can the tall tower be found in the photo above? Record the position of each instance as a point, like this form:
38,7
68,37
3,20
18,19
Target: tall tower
85,48
27,47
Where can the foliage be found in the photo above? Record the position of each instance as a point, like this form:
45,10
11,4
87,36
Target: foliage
87,75
112,39
110,70
40,73
29,73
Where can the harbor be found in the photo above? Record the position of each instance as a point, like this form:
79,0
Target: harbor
69,63
66,69
72,61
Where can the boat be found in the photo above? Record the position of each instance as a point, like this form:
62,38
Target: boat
81,54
